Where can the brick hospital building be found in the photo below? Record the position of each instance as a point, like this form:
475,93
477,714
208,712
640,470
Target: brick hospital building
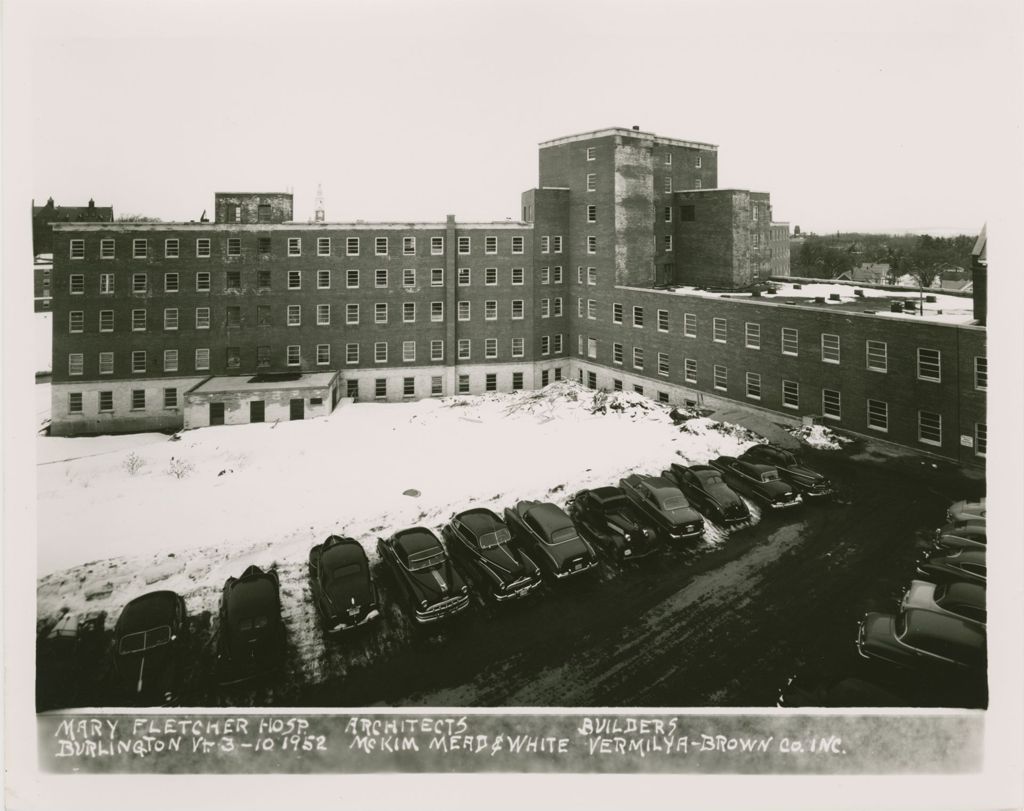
629,268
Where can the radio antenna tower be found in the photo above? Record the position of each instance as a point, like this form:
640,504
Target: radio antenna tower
319,216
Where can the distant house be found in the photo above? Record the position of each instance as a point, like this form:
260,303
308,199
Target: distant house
867,273
43,217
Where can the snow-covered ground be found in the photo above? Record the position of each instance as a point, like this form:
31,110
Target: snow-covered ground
265,494
44,342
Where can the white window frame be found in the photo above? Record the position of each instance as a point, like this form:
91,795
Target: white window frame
294,317
465,245
924,365
323,315
323,280
323,246
518,347
351,354
408,307
753,386
465,349
828,402
719,330
323,354
380,312
351,246
752,335
380,278
873,415
491,310
202,359
76,249
380,351
520,275
202,317
295,246
663,364
921,428
408,351
464,277
381,246
408,246
140,248
349,275
352,313
490,348
638,316
981,373
436,351
662,320
830,353
170,360
294,279
171,319
871,349
490,244
638,357
690,370
792,341
437,311
293,355
721,377
518,305
408,277
437,246
464,311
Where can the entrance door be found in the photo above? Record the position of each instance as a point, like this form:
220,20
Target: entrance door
256,411
297,409
216,413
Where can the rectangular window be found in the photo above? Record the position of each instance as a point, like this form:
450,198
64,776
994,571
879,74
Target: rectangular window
263,280
697,162
437,246
556,348
408,312
437,350
380,388
107,283
437,277
667,184
352,246
170,360
202,281
294,315
106,401
323,246
790,394
323,354
490,276
263,245
463,384
170,318
667,242
662,320
408,386
490,348
202,359
409,277
203,317
202,248
591,308
408,351
638,388
690,370
697,183
878,415
351,353
721,378
295,246
591,213
981,373
490,244
617,354
752,335
556,274
380,277
667,214
518,276
545,244
690,325
351,279
929,428
234,246
170,398
877,356
170,282
545,344
490,382
556,307
518,309
463,311
140,283
719,330
591,275
929,365
517,245
556,244
293,355
464,348
591,244
579,307
829,348
138,320
74,402
106,320
78,249
490,310
591,153
616,313
323,315
380,352
980,439
638,316
464,245
380,312
351,313
663,364
517,381
464,277
76,363
140,248
408,246
138,361
233,280
591,182
579,349
831,404
753,386
790,341
638,357
76,320
518,347
437,311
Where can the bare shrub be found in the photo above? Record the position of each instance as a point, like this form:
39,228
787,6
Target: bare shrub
133,463
179,468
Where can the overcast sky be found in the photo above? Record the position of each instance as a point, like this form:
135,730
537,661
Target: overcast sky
855,116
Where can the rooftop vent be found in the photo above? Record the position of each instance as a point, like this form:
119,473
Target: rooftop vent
636,128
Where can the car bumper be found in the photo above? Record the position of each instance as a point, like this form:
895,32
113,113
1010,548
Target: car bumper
782,505
349,624
517,593
682,535
825,493
442,610
565,574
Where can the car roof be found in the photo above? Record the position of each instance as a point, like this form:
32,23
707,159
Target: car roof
148,611
704,470
253,595
416,539
607,493
344,550
549,517
480,521
967,593
944,628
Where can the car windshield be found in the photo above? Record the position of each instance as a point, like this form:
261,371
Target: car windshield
770,476
562,535
425,560
711,481
490,540
674,503
145,640
349,572
253,623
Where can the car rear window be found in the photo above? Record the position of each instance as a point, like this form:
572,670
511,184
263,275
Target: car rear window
346,572
770,476
425,560
674,503
145,640
563,535
497,538
253,623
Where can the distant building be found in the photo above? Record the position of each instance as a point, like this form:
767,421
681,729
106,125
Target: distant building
43,219
979,275
778,248
868,273
41,280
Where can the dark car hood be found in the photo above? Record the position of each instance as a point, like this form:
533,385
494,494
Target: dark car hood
805,474
254,646
149,675
880,634
776,489
504,561
436,583
724,495
352,591
624,520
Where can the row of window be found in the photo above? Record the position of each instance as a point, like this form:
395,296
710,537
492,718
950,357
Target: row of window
105,400
666,183
591,153
203,246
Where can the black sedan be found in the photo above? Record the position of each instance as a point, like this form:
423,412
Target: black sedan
918,638
150,638
967,565
343,590
662,503
610,520
704,487
428,581
760,482
961,535
551,539
802,478
251,641
479,541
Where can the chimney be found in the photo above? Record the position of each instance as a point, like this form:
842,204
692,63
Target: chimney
92,204
636,128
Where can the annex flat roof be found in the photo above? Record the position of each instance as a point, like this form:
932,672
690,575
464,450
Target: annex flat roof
244,383
629,133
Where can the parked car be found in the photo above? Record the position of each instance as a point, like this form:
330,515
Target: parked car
918,638
966,509
760,482
967,565
426,577
150,638
78,635
963,600
479,540
550,538
708,492
343,590
961,535
608,519
804,480
251,641
664,504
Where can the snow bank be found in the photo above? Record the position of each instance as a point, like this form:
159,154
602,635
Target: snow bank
44,342
820,437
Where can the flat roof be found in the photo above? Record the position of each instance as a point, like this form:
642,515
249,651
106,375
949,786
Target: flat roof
289,226
629,133
242,383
